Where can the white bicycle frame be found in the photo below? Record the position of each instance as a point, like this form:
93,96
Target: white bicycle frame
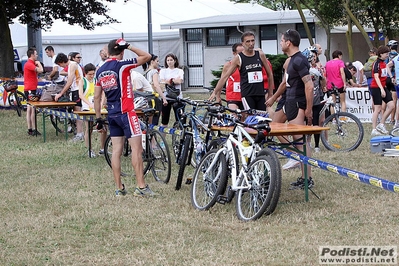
234,141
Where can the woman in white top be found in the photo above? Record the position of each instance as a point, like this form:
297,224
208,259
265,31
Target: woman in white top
171,75
152,75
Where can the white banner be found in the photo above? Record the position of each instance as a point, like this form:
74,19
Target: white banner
359,102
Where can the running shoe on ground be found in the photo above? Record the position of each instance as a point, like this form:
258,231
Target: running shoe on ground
121,192
144,192
375,132
381,128
77,138
34,132
291,164
300,183
91,154
317,149
101,152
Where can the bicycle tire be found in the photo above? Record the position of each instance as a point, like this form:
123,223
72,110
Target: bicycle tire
253,202
208,183
278,174
15,100
20,98
184,158
394,132
345,134
126,158
176,139
108,150
55,121
160,165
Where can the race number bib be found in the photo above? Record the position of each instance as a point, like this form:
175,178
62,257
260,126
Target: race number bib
255,77
236,87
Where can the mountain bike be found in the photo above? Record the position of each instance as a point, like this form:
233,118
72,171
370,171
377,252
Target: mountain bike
15,97
190,146
255,177
156,155
346,131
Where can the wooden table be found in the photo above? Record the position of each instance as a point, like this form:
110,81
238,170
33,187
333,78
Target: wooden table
281,129
50,105
284,129
90,116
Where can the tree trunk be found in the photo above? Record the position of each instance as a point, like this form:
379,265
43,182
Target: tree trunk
327,50
305,23
358,25
349,36
6,48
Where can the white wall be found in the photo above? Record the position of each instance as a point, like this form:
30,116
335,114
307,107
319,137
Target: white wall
90,52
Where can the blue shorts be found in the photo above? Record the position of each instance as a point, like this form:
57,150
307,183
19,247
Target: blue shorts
127,124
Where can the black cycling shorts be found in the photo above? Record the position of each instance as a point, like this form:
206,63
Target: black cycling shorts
292,108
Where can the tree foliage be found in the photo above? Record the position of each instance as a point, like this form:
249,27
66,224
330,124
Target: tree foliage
381,15
272,4
85,13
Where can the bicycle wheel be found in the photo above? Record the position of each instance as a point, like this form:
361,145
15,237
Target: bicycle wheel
209,180
56,121
15,100
278,177
176,138
252,202
160,164
108,150
345,134
394,132
184,158
126,158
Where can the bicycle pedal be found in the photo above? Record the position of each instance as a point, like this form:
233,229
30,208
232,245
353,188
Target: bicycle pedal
222,199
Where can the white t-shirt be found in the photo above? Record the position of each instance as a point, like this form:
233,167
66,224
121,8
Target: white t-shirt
60,77
139,82
77,75
359,67
167,73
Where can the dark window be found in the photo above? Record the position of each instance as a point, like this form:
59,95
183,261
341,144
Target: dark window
223,36
268,32
194,35
217,37
301,29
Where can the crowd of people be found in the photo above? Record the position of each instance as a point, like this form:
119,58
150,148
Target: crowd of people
110,84
249,83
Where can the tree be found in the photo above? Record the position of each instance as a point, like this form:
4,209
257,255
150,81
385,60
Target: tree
86,13
381,15
328,13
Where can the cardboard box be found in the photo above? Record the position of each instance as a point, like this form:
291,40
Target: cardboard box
379,143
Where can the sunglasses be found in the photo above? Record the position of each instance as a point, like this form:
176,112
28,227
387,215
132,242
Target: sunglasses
287,35
79,57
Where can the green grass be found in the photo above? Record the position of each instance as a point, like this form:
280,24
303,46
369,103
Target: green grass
58,208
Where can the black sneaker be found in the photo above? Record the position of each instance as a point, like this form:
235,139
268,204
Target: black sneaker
36,133
300,183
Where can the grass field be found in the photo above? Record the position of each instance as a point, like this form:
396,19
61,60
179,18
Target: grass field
58,208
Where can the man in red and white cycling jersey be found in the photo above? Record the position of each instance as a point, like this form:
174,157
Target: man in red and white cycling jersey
113,77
